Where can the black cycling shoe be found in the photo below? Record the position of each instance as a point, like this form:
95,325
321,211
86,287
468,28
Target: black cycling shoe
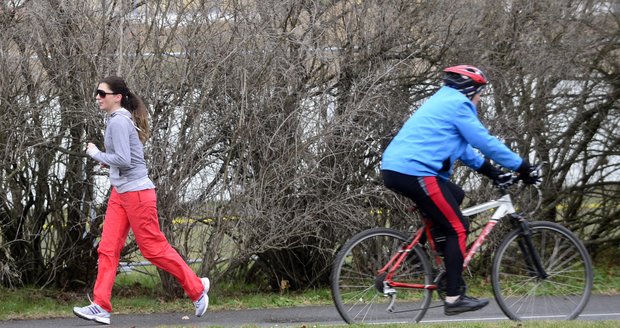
464,304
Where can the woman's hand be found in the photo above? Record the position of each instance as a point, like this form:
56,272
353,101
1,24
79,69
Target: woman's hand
91,149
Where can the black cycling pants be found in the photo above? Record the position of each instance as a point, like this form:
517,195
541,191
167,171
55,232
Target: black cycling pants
439,201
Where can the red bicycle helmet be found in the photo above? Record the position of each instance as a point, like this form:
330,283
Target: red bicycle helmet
466,78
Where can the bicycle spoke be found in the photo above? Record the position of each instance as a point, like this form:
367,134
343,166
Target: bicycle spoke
527,296
366,307
565,262
357,295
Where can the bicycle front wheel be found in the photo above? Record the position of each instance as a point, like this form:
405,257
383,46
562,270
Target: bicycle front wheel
357,288
521,294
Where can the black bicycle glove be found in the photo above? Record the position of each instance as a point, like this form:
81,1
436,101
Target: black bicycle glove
499,178
503,180
529,174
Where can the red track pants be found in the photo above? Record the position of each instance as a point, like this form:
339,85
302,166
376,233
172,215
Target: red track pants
137,210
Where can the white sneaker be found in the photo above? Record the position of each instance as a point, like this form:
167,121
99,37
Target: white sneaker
93,312
203,302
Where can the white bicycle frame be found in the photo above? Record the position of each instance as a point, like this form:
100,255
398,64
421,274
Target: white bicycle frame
503,204
504,207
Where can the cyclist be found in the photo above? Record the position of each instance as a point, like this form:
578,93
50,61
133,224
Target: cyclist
418,163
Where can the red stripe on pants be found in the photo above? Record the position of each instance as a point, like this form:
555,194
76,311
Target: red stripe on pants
437,197
137,210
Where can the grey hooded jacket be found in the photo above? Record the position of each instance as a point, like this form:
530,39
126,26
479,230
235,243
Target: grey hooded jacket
124,154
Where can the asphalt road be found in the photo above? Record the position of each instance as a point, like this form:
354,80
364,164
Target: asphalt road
599,308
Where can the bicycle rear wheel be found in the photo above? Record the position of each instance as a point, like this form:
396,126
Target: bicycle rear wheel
357,289
563,294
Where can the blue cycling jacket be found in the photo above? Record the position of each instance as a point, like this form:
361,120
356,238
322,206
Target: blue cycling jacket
445,128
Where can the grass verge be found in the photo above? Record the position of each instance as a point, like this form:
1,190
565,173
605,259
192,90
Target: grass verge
141,293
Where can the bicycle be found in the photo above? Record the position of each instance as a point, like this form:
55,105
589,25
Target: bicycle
382,275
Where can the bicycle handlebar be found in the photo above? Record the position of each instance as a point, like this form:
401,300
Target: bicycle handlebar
517,177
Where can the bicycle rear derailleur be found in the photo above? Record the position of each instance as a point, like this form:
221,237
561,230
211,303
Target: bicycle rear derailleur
388,291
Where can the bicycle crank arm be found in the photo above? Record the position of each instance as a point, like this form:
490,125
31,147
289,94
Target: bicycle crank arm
391,293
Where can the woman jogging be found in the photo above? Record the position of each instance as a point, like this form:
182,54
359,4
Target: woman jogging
418,163
132,204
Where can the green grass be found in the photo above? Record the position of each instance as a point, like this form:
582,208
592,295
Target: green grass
141,293
607,277
33,303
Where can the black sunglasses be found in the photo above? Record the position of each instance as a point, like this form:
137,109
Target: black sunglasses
102,93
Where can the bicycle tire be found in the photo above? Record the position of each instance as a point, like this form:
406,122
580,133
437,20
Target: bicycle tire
566,290
354,279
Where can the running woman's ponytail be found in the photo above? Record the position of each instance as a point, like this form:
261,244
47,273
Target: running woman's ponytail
136,107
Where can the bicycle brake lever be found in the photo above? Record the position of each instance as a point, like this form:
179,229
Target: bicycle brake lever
504,186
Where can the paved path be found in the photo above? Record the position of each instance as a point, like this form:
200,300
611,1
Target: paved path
599,308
